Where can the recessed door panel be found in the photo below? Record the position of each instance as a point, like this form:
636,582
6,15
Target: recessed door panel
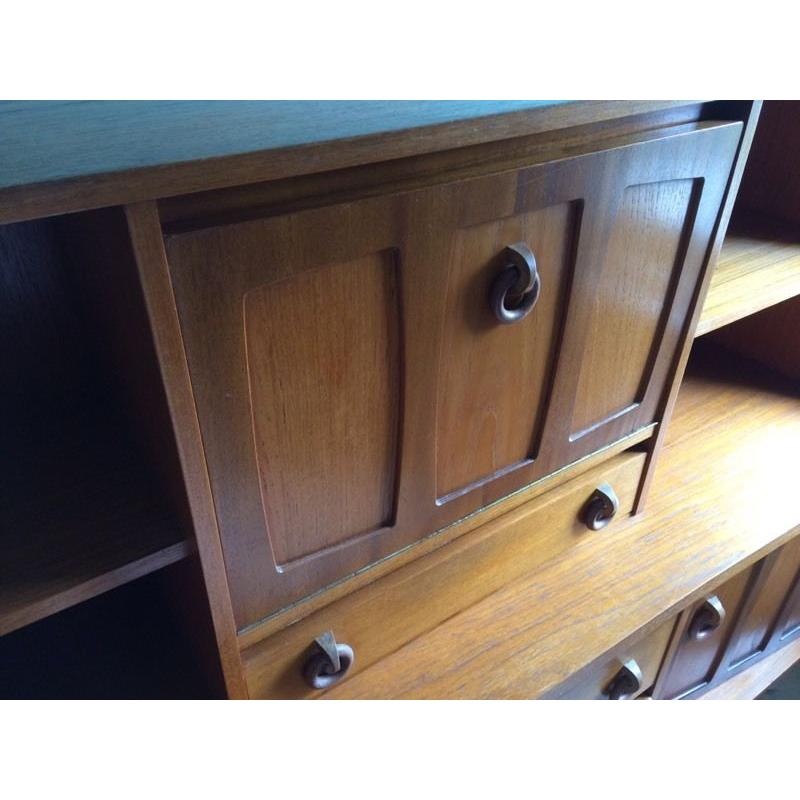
323,367
494,379
632,294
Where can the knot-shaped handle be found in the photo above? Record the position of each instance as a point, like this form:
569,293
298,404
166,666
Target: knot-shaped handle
707,618
626,682
516,288
601,507
329,663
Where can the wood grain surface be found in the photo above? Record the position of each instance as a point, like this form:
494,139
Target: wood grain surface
723,496
758,267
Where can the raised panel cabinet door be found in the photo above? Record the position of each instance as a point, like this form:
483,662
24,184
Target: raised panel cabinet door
368,372
647,219
761,619
702,635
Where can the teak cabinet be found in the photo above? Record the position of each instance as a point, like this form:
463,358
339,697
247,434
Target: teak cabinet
409,391
355,389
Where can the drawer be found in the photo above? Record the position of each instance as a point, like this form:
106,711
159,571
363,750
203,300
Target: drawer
369,372
623,674
383,616
703,634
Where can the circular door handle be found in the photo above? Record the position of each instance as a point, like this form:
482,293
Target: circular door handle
707,618
329,662
516,288
601,507
627,682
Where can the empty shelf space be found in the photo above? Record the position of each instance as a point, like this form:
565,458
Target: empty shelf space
80,515
759,266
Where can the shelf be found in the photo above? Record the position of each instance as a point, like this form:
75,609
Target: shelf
79,514
724,494
759,266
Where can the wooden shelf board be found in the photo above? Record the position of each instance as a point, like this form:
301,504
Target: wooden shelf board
79,515
749,683
758,267
724,494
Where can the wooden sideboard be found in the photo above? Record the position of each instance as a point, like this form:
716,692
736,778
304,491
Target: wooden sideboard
409,382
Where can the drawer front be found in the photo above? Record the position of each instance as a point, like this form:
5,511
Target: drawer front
356,386
383,616
703,634
624,674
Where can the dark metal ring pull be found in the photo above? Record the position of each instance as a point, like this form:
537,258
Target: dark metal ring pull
601,507
626,682
329,663
516,289
707,618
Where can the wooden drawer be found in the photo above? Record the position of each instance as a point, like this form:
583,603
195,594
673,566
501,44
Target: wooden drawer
355,387
414,599
623,674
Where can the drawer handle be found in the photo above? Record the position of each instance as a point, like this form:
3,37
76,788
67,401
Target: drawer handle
601,507
516,289
329,663
707,618
626,682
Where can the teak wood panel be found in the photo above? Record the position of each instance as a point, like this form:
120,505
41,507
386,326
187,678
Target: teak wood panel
755,631
494,379
424,593
692,664
637,274
323,366
214,269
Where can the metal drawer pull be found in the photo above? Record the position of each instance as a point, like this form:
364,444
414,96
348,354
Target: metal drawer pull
601,507
626,682
329,663
515,290
707,618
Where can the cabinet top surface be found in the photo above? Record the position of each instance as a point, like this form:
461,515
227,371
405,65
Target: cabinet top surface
61,156
50,140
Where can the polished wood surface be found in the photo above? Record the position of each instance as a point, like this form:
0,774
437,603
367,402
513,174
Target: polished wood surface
760,618
152,265
68,156
424,593
724,489
748,112
758,266
495,379
640,270
594,683
430,544
693,661
323,365
213,269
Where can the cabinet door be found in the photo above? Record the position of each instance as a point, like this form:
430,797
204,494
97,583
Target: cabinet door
701,638
356,391
762,613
